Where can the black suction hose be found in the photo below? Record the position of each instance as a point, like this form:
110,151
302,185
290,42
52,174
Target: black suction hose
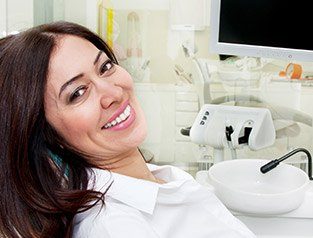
272,164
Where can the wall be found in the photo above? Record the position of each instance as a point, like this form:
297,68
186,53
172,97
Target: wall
160,44
16,15
75,10
2,17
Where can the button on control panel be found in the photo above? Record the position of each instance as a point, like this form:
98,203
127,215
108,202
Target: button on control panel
204,118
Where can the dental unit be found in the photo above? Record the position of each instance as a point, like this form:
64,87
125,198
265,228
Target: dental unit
232,127
272,198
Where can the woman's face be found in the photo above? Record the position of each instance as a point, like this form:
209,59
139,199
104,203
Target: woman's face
90,101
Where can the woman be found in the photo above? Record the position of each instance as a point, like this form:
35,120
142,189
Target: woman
63,95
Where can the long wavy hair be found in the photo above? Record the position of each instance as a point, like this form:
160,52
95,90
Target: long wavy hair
38,197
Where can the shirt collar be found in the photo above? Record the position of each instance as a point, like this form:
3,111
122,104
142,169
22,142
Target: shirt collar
138,193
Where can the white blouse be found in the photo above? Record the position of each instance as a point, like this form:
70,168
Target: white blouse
136,208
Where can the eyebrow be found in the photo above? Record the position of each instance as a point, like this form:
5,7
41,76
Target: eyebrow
72,80
98,56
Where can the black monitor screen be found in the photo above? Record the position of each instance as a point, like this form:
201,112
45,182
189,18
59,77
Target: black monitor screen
274,23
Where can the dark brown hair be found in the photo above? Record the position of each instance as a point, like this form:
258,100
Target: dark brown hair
38,198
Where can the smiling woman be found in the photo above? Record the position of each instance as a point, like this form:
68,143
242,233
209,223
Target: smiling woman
36,199
70,166
99,93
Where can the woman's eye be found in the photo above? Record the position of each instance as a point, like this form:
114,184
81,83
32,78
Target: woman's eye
106,66
77,93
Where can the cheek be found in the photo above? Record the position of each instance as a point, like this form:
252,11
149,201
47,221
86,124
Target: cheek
80,121
141,128
75,125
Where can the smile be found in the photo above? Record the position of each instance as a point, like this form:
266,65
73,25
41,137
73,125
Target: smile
119,119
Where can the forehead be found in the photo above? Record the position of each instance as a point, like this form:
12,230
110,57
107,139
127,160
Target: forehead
71,55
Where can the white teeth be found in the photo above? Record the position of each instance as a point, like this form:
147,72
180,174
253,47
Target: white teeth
127,111
122,117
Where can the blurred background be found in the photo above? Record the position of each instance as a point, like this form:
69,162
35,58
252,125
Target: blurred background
164,44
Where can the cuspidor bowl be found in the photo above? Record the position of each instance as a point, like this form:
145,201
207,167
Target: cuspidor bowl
241,186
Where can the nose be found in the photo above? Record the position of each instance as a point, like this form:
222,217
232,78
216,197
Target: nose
110,94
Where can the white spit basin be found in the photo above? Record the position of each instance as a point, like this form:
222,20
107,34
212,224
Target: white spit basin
241,186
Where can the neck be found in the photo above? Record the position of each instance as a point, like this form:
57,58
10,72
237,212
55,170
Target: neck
132,164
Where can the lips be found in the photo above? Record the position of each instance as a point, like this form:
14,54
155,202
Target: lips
121,119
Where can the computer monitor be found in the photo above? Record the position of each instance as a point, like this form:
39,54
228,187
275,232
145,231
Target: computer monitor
262,28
